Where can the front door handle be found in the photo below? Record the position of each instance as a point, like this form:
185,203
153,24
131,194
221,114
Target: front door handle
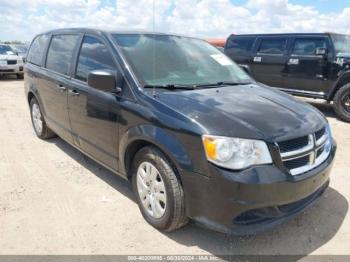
61,88
74,92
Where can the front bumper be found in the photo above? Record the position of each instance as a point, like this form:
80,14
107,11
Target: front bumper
254,199
11,69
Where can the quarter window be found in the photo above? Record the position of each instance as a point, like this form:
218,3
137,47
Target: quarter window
273,46
60,53
36,51
308,46
93,56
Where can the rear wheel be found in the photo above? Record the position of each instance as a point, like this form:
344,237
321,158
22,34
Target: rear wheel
342,103
40,127
159,192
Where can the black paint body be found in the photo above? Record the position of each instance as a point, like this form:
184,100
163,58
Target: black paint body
110,128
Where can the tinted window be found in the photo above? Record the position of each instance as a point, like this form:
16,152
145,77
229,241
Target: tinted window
273,46
36,51
240,45
341,43
60,53
308,46
93,56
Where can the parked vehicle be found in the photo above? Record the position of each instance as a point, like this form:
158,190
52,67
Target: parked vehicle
218,43
196,136
309,65
10,63
21,50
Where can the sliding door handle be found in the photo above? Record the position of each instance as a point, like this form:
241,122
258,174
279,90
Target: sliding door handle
61,88
74,92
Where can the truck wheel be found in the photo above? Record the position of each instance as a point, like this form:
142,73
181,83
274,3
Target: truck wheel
20,76
159,192
342,103
39,124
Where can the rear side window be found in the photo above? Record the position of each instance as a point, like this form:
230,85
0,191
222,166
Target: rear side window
37,48
94,55
273,46
308,46
60,53
240,46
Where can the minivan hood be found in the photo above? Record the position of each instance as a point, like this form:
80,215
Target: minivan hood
246,111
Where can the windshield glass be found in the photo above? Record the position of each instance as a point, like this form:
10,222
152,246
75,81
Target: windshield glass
174,60
5,50
20,48
341,43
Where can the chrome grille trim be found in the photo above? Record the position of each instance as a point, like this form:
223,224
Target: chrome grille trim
317,150
290,154
322,139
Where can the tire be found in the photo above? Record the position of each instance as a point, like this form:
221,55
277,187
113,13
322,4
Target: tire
20,76
173,216
35,112
342,103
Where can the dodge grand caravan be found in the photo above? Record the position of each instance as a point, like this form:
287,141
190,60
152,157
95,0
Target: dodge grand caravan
195,135
310,65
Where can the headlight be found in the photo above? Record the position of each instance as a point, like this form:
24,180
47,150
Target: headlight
19,61
235,153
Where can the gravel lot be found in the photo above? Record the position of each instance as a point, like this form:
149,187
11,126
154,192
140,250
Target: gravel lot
54,200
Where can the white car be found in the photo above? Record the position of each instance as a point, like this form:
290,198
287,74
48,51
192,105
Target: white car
10,63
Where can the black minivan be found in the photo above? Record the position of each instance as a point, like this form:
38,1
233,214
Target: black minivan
195,135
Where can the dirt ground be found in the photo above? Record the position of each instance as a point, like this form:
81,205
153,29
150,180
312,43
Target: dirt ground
54,200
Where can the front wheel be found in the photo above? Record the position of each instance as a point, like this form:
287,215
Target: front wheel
342,103
159,192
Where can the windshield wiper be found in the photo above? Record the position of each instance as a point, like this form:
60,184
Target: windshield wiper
171,86
225,83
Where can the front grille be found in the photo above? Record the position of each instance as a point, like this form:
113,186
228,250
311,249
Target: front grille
320,133
296,163
293,144
302,154
320,151
11,62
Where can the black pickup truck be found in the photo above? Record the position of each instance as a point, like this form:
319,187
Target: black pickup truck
309,65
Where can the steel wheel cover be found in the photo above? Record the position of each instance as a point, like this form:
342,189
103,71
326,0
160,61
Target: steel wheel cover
151,190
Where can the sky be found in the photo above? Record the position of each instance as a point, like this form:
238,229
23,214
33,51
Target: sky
23,19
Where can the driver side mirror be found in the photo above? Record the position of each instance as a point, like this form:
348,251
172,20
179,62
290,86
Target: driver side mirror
105,80
321,51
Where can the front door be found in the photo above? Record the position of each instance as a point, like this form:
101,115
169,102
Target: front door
94,113
269,60
307,71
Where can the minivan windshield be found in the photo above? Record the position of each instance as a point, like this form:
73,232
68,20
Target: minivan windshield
163,60
6,50
341,43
